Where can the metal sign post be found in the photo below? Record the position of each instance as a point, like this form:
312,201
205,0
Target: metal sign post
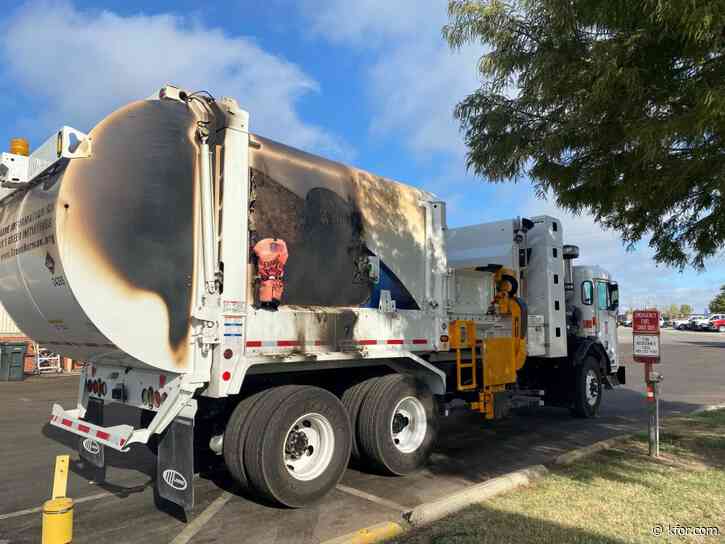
646,348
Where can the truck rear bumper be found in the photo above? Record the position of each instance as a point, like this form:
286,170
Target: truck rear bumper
117,437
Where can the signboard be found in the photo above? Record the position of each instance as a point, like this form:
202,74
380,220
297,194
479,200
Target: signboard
646,336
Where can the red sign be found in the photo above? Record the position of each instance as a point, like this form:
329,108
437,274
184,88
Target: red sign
646,322
646,336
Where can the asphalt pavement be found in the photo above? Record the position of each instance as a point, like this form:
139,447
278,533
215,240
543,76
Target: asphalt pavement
122,508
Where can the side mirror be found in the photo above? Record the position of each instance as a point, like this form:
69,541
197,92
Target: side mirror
613,297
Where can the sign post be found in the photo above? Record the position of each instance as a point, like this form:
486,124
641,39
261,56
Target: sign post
646,350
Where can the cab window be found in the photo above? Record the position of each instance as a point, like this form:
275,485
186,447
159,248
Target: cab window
602,296
587,292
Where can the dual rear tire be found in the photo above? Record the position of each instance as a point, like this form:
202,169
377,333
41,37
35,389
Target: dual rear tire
291,444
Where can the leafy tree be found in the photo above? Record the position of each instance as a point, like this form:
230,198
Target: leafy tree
673,311
717,305
685,310
616,107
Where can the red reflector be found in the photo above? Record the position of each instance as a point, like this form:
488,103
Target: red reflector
103,435
157,399
367,342
228,354
254,344
122,442
420,341
395,342
162,380
226,376
67,422
444,338
287,343
83,428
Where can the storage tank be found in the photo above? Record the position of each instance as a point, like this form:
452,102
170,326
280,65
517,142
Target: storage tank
97,259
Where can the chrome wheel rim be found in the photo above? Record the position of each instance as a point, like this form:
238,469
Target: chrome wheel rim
591,387
308,447
408,425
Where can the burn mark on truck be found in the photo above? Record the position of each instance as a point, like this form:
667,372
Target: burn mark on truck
324,237
132,205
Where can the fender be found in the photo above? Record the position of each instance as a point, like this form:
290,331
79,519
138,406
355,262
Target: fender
581,347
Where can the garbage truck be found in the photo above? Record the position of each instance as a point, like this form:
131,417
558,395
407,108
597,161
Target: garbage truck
281,312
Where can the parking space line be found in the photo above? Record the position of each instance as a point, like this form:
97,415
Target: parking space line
37,509
202,519
373,498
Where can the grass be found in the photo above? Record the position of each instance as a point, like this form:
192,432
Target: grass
615,496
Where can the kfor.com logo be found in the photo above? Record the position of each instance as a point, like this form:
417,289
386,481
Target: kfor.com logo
677,530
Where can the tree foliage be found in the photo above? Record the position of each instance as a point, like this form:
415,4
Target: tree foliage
685,310
717,304
617,107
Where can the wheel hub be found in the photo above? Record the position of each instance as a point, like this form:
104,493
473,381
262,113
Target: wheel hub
297,444
400,422
309,447
592,388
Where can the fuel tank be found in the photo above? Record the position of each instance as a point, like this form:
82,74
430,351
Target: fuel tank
97,258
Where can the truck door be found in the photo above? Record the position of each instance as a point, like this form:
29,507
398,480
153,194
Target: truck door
606,317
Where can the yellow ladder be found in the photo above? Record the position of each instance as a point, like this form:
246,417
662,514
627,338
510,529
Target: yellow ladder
466,365
463,336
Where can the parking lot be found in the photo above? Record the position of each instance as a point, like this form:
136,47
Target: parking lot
470,450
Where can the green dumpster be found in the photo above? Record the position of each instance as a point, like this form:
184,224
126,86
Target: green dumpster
12,361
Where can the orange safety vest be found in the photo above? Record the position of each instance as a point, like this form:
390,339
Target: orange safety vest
271,257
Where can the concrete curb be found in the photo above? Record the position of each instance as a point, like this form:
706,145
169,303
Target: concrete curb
573,456
370,535
429,512
432,511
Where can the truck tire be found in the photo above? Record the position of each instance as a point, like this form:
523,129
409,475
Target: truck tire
352,400
298,445
397,424
588,388
235,436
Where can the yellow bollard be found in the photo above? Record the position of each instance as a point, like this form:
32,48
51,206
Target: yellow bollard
58,511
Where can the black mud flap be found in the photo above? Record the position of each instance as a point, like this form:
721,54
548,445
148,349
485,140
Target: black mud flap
622,375
175,464
91,450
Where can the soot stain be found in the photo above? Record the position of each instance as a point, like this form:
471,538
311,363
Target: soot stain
137,197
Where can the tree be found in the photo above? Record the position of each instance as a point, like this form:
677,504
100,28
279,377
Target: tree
685,310
717,305
615,107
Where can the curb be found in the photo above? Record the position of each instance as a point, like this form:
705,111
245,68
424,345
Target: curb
370,535
429,512
432,511
573,456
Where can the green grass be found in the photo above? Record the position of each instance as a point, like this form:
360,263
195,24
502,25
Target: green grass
615,496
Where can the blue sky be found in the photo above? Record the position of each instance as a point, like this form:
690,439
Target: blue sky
367,82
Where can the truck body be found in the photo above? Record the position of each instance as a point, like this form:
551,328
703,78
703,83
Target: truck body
136,248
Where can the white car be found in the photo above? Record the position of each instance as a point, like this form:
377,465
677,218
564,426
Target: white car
699,322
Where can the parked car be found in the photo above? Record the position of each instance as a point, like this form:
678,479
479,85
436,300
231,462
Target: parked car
716,323
699,323
681,324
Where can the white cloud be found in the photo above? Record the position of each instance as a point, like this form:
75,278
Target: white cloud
415,80
85,64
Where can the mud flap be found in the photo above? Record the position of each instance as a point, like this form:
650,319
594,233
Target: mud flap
91,450
175,464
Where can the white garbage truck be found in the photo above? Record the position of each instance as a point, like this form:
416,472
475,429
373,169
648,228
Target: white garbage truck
279,310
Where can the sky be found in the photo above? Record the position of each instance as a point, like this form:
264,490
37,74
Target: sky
369,82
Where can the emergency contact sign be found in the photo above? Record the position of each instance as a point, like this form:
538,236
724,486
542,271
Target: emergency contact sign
646,336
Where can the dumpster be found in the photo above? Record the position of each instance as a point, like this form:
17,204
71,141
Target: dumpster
12,359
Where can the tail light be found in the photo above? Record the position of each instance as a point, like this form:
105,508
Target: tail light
157,399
